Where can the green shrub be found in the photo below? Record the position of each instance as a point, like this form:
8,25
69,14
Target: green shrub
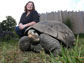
68,23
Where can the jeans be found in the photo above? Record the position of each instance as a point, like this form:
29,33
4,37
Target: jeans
20,32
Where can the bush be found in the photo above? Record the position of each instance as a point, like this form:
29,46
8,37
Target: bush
68,23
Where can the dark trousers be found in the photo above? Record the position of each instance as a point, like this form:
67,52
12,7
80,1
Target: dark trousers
20,32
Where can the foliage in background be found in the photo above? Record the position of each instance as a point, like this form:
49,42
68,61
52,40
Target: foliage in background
68,23
7,28
8,24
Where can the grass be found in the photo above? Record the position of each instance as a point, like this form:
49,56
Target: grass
10,53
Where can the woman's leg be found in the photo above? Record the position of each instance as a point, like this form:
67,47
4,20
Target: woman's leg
19,32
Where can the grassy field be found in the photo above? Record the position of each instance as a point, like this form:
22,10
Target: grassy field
10,53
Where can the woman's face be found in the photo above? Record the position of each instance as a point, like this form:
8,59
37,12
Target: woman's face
29,6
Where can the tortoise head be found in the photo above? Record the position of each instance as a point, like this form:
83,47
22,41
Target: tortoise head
33,35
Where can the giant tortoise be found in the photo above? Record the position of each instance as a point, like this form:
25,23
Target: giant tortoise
47,35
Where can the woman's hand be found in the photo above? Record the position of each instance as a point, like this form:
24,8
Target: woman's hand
21,26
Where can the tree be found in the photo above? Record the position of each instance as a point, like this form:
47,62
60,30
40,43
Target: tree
8,24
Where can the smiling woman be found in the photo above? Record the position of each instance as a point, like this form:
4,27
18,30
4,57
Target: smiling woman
28,18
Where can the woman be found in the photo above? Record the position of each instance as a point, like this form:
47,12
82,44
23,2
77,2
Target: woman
28,18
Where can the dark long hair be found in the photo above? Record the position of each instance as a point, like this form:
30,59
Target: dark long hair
25,8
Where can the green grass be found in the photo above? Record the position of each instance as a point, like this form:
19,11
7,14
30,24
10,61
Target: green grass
10,53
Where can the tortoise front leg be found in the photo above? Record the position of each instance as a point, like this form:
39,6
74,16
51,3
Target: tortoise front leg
24,44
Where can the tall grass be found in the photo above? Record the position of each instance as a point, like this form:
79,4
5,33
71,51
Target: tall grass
74,55
10,53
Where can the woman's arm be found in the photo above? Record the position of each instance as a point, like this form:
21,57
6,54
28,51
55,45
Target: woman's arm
21,26
29,24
